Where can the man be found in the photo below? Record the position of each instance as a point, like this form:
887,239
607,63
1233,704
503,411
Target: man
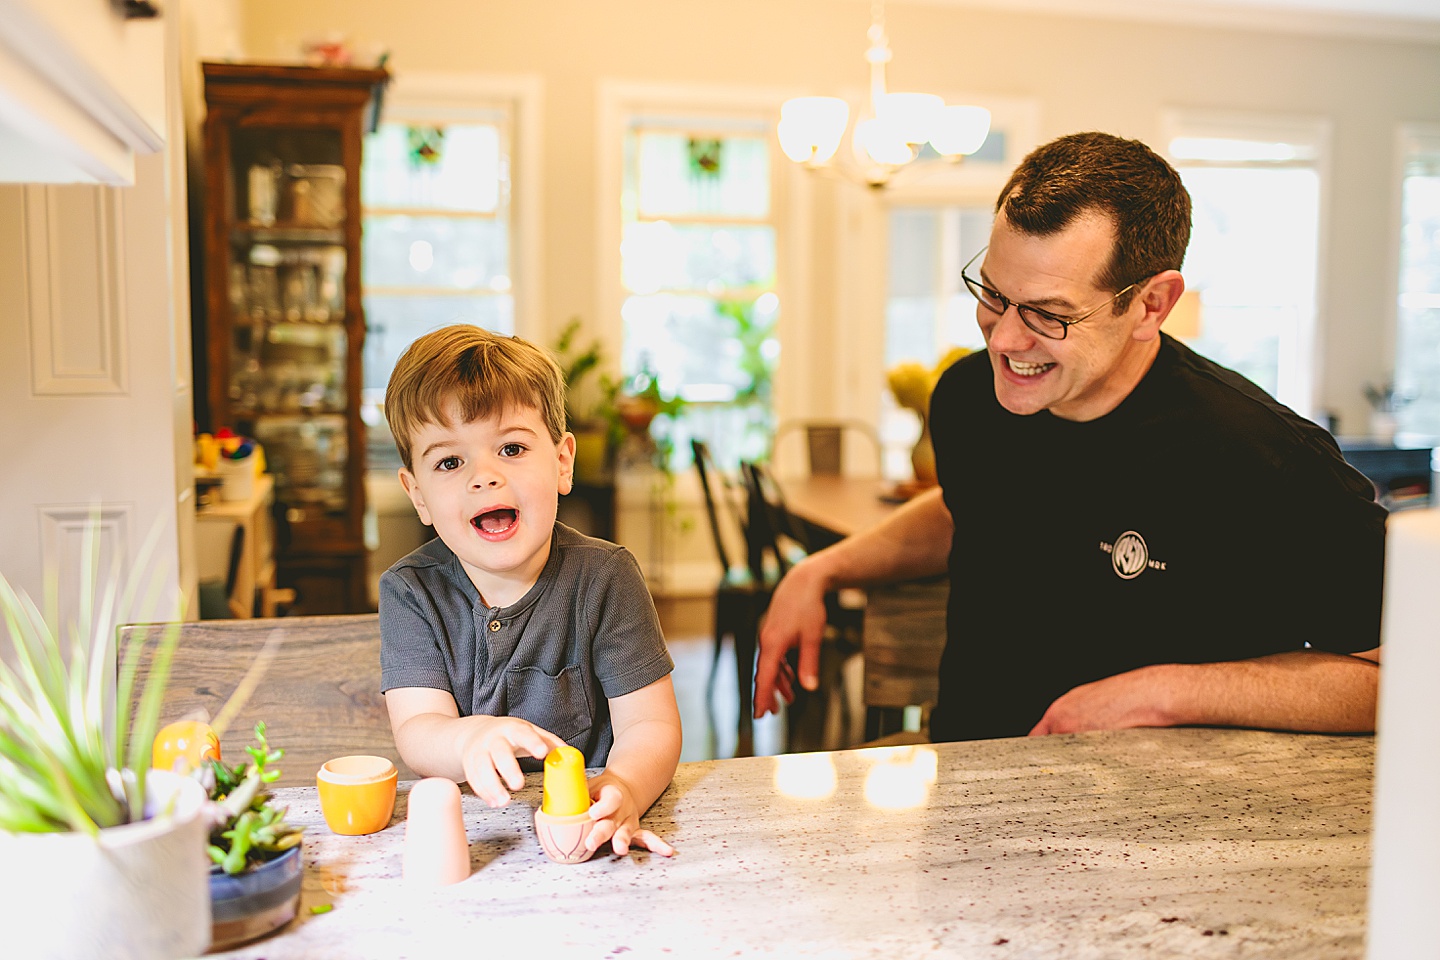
1135,536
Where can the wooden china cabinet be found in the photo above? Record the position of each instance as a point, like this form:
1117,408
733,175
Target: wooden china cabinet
284,328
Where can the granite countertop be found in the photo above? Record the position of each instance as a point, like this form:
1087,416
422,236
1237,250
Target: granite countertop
1142,843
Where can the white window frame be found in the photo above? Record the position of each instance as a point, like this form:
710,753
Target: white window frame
1300,356
1410,138
456,94
619,103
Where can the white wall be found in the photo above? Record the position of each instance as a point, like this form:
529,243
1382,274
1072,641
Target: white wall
95,406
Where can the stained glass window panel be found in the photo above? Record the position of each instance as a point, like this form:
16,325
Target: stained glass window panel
453,166
681,174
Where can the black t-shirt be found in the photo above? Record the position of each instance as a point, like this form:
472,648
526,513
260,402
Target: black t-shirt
1198,521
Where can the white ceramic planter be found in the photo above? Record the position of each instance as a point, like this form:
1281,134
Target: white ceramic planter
137,892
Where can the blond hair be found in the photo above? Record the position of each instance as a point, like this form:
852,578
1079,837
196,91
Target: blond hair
478,374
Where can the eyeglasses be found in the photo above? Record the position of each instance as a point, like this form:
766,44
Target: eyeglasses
1041,321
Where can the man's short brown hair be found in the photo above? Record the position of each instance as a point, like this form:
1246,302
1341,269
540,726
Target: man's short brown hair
1123,180
471,372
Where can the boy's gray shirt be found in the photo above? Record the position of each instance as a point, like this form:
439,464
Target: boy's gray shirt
585,632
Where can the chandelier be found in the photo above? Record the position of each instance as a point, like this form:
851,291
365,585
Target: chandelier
892,133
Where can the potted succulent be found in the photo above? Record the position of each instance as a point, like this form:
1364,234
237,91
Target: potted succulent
256,863
102,856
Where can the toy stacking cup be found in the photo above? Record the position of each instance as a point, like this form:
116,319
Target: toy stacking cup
437,853
563,821
357,794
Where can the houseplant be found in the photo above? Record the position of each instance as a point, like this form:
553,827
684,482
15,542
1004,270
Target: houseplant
102,857
256,862
591,412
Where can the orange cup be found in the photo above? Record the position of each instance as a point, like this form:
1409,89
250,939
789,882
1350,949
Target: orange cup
357,794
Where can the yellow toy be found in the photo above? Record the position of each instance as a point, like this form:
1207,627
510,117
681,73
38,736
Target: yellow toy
563,821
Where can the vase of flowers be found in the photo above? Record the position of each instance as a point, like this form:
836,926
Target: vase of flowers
911,383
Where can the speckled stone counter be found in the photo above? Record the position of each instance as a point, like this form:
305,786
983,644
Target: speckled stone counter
1145,843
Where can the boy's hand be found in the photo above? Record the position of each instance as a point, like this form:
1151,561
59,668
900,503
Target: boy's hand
618,820
489,750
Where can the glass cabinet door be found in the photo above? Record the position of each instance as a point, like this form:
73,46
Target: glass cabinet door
289,345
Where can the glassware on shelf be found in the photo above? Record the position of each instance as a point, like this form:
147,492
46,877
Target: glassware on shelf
308,455
264,283
300,290
239,290
317,194
263,184
332,281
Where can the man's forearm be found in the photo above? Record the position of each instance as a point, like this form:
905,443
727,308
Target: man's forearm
913,542
1305,690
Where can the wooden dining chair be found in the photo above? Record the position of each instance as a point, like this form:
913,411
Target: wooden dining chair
780,540
741,594
827,442
319,696
904,641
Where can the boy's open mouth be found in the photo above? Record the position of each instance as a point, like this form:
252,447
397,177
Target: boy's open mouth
494,521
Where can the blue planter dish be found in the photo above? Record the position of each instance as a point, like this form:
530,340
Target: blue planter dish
256,902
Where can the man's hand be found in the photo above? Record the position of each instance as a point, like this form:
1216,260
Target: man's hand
795,617
488,754
617,819
1131,699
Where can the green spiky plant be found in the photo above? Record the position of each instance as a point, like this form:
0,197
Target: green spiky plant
65,764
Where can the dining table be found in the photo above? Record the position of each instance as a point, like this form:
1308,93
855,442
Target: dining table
1187,842
840,504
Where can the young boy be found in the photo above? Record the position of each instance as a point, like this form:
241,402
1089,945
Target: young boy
510,634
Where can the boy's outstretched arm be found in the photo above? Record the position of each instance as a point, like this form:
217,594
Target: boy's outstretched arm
642,763
436,741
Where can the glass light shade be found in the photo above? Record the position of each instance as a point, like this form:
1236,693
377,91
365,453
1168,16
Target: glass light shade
911,116
960,130
811,128
879,141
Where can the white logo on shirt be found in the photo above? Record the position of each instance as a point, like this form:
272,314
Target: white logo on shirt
1130,556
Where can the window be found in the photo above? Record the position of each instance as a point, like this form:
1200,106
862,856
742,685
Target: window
928,310
698,272
1417,355
1256,190
436,193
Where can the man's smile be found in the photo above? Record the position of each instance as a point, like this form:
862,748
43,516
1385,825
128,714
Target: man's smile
1024,369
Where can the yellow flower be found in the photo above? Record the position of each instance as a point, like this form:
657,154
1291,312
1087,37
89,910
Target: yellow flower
911,385
912,382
